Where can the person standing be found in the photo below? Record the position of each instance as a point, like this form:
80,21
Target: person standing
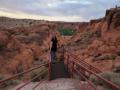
53,48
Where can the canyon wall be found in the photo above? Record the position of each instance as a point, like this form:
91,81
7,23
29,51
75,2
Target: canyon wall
98,41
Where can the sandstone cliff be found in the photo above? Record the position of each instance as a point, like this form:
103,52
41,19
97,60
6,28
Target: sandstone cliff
98,41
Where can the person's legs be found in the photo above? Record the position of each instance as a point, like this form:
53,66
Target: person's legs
53,56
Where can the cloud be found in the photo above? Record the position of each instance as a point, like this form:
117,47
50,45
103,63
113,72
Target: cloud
21,15
78,10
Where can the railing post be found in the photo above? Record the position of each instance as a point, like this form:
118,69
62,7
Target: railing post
68,61
49,71
72,69
63,52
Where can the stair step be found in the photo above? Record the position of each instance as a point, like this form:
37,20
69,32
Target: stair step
59,70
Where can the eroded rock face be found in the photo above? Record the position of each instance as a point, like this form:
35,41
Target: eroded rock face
20,47
99,41
25,59
113,18
29,41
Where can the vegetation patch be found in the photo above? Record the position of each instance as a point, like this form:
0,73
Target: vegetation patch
8,83
66,31
41,73
106,57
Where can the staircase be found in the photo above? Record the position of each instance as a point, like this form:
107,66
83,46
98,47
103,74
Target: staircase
58,70
60,80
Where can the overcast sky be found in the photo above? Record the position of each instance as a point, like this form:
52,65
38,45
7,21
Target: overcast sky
56,10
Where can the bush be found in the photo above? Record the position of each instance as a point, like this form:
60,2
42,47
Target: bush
12,82
66,31
38,61
95,80
98,33
1,77
106,57
114,77
42,72
116,81
9,83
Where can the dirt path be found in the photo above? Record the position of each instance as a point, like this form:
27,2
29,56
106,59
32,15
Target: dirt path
58,84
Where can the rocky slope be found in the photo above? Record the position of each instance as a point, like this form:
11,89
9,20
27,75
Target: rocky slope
98,41
26,43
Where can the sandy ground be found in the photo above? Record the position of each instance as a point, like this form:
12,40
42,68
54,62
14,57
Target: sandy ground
58,84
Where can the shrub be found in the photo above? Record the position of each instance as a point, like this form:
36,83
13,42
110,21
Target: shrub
9,83
114,77
38,61
116,81
95,80
1,77
98,33
66,31
106,57
42,72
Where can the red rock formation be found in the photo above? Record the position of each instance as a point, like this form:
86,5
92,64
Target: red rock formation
99,41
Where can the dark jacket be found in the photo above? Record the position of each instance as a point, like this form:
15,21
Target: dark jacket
54,44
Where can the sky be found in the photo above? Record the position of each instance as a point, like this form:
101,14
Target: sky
56,10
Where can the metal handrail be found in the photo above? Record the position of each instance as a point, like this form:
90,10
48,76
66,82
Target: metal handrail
90,69
38,84
27,71
72,69
90,83
111,84
20,87
81,61
85,63
49,70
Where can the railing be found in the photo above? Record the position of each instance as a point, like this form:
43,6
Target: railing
73,62
75,65
24,72
49,70
85,64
